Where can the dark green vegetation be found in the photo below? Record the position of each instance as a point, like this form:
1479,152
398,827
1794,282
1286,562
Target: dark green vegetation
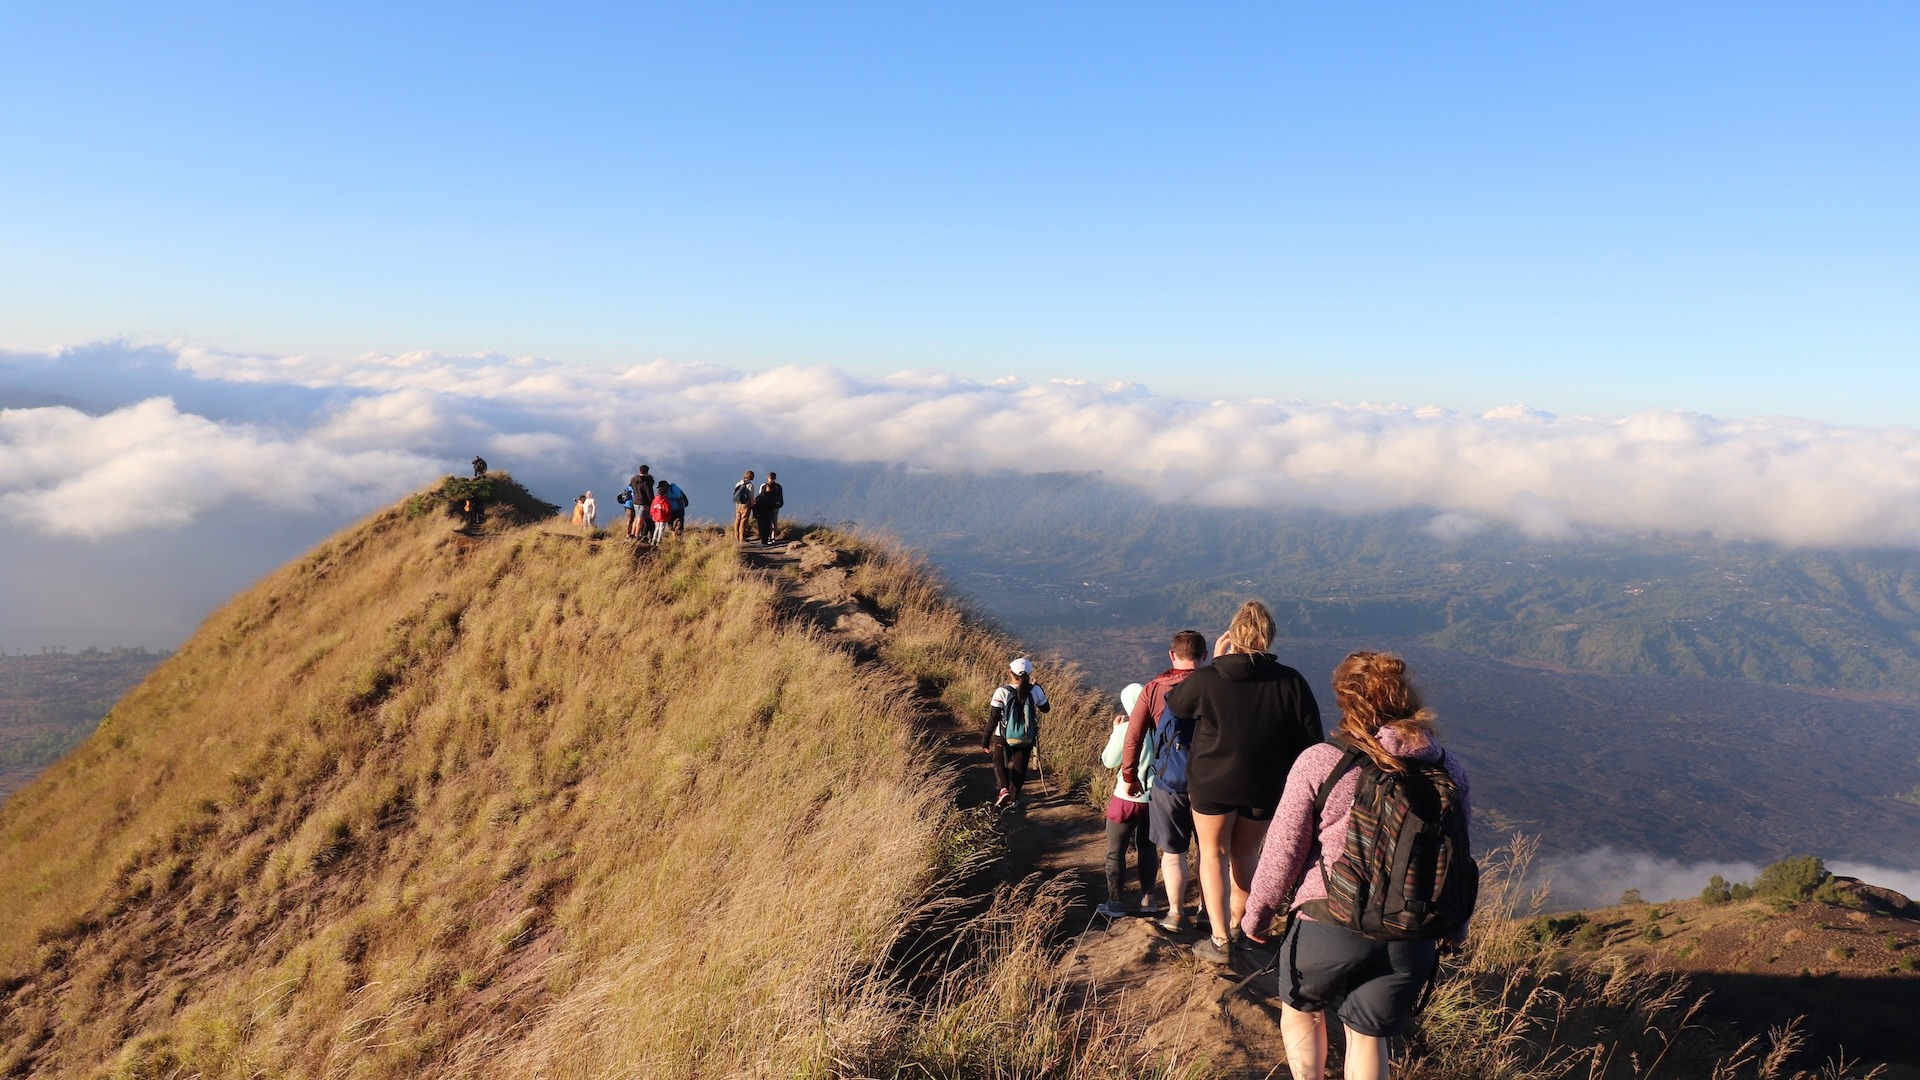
51,701
1076,551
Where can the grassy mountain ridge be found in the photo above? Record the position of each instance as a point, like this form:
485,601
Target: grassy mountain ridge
511,803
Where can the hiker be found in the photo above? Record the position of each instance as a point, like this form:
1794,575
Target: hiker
642,485
1013,728
660,511
590,510
766,507
1372,982
1169,812
1252,716
479,466
742,506
579,510
677,500
1126,817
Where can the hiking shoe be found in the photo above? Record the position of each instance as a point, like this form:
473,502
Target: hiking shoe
1174,923
1004,798
1151,903
1112,910
1213,952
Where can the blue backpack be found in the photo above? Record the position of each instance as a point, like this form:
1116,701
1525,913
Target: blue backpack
1170,737
1021,722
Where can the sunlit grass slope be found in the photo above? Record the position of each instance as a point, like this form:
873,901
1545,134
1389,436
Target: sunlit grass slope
522,804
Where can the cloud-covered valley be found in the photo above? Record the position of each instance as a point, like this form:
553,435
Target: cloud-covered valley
193,429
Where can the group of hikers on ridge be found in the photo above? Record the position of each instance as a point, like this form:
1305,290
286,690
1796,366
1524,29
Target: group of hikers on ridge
762,506
1350,859
656,507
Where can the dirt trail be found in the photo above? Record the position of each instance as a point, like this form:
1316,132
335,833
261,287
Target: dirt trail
1149,980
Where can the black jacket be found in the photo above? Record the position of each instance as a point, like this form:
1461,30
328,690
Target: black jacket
1252,715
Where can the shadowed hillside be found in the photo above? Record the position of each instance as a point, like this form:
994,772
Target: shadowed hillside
517,801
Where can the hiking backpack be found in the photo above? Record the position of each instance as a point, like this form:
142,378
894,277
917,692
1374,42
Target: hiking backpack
1170,736
743,493
1021,719
1406,871
625,498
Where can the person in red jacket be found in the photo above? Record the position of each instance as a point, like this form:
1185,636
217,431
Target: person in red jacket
660,511
1252,716
1169,813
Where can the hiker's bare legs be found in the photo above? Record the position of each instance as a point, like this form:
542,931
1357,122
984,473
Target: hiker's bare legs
1173,871
1211,833
1244,856
1366,1056
1305,1034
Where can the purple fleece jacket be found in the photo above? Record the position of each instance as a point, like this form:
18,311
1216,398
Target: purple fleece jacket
1291,843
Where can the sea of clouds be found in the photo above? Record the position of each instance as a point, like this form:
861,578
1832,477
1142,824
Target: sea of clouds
193,429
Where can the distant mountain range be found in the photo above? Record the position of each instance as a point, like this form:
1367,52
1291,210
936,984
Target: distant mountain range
1082,551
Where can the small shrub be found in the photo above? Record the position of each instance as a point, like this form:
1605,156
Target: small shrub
1892,943
1548,928
1652,932
1839,953
1632,897
1717,891
1590,936
1741,891
1907,963
1794,878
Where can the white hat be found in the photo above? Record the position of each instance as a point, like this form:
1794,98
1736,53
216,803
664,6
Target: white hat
1129,696
1022,666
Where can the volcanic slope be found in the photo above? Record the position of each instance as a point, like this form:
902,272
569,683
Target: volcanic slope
431,802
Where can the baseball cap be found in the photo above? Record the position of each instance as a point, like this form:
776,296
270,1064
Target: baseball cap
1022,666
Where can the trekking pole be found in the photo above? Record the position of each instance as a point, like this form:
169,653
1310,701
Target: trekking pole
1271,965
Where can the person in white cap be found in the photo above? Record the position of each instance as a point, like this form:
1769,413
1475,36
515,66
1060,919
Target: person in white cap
1013,729
1127,815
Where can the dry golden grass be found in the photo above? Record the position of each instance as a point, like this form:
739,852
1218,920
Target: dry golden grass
526,804
1514,1007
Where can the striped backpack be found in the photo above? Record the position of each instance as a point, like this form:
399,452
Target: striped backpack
1406,872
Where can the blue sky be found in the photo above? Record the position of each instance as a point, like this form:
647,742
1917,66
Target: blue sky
1597,209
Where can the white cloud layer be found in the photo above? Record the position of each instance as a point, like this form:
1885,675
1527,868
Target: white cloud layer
196,427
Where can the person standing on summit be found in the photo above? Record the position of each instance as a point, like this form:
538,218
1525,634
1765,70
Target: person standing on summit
642,485
1013,729
1252,716
742,506
590,510
766,507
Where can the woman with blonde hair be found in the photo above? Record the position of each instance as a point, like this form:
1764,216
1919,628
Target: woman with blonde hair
1373,985
1252,716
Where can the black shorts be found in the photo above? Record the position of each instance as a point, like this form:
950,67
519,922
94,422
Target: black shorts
1372,985
1251,813
1169,821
